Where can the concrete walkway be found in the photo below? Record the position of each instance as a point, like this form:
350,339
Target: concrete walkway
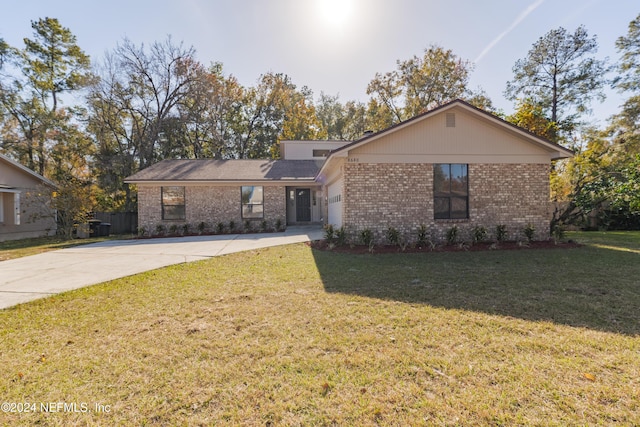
38,276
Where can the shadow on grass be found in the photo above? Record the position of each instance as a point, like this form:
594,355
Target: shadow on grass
586,287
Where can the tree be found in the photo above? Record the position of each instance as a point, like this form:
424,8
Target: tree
133,110
629,66
51,64
530,116
560,74
420,84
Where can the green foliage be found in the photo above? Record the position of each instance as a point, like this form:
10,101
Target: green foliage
329,233
419,84
341,236
248,226
232,226
220,228
452,235
478,234
366,237
561,75
423,236
279,224
393,236
529,231
264,225
501,232
202,226
558,232
160,230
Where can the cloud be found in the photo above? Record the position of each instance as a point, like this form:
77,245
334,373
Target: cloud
533,6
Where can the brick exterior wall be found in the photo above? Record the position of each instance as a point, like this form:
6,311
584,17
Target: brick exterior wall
210,204
379,196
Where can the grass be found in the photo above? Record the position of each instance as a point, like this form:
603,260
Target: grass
294,336
20,248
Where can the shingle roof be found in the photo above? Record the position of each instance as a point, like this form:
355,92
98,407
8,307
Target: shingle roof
229,170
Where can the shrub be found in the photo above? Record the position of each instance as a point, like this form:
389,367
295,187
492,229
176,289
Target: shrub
202,227
393,236
232,226
529,232
279,224
142,231
329,233
558,232
423,236
341,236
185,229
452,235
264,226
248,226
501,232
479,234
160,229
220,228
366,237
173,229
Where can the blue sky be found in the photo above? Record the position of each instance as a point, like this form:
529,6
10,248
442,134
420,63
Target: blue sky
334,46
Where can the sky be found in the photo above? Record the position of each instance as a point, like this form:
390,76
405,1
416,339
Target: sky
335,46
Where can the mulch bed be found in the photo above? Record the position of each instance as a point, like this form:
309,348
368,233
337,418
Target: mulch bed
466,247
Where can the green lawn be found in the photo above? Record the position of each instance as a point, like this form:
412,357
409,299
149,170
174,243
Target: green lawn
294,336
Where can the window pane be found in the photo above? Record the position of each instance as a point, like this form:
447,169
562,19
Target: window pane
252,202
252,194
173,212
459,180
441,208
173,195
441,180
458,207
252,211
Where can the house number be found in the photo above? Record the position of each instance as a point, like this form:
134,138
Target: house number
353,160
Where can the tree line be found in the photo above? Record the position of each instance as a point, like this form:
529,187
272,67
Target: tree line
87,125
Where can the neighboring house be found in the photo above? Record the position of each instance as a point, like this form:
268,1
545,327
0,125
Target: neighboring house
454,165
24,198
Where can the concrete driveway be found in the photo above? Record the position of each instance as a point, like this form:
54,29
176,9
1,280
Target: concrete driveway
38,276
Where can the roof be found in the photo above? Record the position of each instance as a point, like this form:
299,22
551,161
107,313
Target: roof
27,171
208,170
559,150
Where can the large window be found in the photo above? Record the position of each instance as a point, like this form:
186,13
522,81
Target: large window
173,206
252,202
451,191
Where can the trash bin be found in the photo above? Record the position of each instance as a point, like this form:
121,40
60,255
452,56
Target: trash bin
105,229
94,227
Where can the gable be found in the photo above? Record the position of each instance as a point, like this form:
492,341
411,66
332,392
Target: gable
455,135
15,175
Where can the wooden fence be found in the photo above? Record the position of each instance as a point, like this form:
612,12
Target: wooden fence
121,222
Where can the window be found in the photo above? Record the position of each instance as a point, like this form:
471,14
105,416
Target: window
451,191
321,153
173,206
252,202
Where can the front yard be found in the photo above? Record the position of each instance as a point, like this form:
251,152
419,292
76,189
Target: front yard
296,336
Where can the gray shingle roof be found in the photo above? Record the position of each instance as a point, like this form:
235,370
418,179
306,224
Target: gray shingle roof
229,170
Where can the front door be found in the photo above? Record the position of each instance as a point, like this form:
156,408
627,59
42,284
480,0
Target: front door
303,205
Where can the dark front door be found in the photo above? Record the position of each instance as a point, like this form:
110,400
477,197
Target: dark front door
303,205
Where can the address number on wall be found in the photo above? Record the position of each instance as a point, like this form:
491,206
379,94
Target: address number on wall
353,160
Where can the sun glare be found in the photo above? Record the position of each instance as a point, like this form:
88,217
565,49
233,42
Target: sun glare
335,13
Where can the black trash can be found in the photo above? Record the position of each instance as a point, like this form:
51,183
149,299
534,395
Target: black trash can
94,228
105,229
